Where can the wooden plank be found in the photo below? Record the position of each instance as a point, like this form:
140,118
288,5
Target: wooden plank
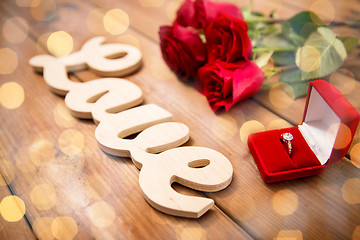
11,230
254,206
78,187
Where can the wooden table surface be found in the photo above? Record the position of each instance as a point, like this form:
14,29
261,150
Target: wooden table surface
73,190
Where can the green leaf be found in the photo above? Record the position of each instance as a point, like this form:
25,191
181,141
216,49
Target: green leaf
273,14
350,43
275,42
296,39
293,79
269,72
322,54
303,23
291,76
250,16
300,26
300,88
271,29
284,51
263,59
284,58
246,11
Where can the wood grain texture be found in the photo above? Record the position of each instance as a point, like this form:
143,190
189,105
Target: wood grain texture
12,230
82,179
91,184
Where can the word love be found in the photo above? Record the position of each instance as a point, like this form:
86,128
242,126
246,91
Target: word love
113,104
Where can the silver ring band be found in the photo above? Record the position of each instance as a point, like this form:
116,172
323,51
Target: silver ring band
287,138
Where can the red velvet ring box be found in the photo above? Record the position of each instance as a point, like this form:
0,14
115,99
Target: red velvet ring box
324,137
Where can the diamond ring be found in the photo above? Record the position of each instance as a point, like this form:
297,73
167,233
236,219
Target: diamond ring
286,140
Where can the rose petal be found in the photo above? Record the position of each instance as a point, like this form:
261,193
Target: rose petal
227,39
224,84
199,13
246,82
182,49
191,14
213,8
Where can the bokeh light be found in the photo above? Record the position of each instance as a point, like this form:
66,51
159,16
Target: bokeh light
191,230
279,97
64,228
110,233
7,171
94,21
249,127
42,152
13,32
278,124
71,142
308,58
116,21
12,95
151,3
101,214
325,9
289,234
60,44
224,126
342,133
285,202
8,61
63,117
12,208
43,10
42,228
344,80
43,196
355,155
351,191
352,41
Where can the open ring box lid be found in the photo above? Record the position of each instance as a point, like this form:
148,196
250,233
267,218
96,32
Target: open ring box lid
324,137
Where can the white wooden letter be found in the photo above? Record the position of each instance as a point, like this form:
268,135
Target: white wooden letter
199,168
102,59
55,73
110,102
111,131
102,97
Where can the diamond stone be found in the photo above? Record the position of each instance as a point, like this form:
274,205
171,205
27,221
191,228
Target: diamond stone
288,136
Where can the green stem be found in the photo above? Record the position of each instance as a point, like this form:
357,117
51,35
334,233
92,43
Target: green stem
262,50
351,24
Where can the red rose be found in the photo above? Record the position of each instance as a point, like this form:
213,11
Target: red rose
227,39
182,50
199,13
225,84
